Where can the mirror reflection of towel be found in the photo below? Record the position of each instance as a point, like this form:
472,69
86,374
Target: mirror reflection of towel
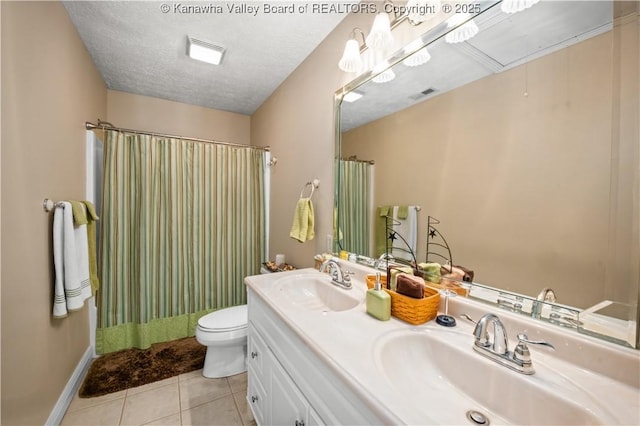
303,221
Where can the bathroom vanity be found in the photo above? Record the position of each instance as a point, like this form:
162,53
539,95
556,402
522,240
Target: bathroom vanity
316,357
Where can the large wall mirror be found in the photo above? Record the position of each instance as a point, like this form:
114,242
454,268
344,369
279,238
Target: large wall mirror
523,142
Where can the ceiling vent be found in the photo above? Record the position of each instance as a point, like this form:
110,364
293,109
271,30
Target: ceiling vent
422,94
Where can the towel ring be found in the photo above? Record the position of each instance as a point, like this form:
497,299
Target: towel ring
314,184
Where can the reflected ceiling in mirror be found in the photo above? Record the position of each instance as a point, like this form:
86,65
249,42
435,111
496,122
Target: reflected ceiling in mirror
504,41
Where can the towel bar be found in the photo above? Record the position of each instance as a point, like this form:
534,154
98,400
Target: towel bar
49,205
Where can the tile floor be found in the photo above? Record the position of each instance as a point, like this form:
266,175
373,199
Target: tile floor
187,399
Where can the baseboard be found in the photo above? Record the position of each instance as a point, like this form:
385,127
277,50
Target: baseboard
69,391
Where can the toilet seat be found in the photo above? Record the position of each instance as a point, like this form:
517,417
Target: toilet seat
224,320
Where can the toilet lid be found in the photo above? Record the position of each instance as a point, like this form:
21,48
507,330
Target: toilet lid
226,319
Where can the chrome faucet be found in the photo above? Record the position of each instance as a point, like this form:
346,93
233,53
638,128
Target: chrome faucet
338,276
383,261
498,351
499,345
546,295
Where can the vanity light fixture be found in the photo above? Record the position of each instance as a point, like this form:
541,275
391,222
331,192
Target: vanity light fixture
204,51
380,36
463,32
513,6
419,11
351,60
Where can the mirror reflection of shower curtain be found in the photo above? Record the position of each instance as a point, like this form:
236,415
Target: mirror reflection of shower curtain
355,204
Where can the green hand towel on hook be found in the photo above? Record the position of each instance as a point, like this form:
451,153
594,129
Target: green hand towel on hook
302,228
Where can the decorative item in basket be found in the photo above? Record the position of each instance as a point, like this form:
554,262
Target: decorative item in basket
409,309
275,268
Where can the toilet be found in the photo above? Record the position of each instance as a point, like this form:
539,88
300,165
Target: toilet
224,333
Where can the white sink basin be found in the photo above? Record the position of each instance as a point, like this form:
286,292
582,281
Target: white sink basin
315,292
460,379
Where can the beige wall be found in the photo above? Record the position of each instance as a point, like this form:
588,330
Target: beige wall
521,184
297,121
49,88
137,112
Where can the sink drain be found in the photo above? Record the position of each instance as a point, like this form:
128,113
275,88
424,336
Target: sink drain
477,417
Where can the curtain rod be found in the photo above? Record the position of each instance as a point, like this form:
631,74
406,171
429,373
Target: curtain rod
108,126
355,158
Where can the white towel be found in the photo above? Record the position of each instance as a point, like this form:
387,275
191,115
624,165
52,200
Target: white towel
408,228
71,262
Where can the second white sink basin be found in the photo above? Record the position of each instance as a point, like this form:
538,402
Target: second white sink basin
461,380
315,292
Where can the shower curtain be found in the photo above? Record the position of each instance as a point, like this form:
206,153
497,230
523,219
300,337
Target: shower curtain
353,231
183,223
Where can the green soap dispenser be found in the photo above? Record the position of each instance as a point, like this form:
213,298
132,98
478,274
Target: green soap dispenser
378,301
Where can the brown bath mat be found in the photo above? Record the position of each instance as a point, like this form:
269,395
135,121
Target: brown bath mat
134,367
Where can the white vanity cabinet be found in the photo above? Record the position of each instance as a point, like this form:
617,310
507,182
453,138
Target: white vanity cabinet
288,384
272,395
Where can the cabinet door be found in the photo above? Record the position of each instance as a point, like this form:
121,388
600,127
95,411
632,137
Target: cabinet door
313,418
288,405
257,398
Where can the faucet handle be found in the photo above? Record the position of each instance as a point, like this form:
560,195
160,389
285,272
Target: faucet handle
521,352
467,317
522,338
346,276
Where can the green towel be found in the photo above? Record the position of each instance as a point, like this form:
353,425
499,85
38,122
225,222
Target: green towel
91,218
431,271
403,212
79,215
303,221
381,230
337,231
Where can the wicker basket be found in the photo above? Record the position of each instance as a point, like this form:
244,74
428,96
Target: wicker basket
408,309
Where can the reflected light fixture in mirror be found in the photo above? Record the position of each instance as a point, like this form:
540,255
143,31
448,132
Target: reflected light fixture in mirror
463,32
385,74
513,6
421,56
351,60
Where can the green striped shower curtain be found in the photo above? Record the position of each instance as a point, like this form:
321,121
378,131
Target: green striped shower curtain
182,224
355,179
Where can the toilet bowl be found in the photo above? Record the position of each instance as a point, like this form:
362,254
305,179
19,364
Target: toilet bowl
224,333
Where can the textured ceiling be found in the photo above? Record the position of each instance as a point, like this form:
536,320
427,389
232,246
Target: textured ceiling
140,47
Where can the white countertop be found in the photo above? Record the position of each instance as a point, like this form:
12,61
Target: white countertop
347,341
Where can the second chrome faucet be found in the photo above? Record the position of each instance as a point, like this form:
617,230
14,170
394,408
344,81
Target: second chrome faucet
338,276
498,350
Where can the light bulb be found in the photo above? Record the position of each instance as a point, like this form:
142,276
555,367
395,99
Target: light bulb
351,60
380,36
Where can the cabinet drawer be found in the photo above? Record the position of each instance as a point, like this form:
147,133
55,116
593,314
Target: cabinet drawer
256,397
257,353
